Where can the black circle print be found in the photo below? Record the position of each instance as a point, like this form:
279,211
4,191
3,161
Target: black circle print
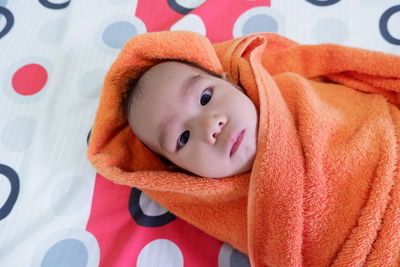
143,219
383,25
178,8
9,21
323,2
12,176
51,5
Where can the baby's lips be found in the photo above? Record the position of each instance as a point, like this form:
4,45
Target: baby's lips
235,141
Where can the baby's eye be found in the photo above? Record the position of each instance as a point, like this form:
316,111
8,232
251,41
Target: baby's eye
183,139
206,96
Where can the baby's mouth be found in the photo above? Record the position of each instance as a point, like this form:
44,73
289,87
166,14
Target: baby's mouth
236,142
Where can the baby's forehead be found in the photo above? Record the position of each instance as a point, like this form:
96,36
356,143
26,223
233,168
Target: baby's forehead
165,78
170,67
165,73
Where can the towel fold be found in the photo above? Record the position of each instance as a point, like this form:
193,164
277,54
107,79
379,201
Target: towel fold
324,188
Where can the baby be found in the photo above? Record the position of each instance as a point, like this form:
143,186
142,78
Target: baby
198,120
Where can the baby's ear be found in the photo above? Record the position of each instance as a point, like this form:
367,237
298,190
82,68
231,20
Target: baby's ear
173,168
226,77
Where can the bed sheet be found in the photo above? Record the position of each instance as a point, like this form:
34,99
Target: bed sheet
54,209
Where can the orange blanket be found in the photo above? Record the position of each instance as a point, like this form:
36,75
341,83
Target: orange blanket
324,188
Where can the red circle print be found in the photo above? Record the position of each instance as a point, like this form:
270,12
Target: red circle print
29,79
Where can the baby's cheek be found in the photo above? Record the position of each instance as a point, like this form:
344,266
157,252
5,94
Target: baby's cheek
186,159
249,155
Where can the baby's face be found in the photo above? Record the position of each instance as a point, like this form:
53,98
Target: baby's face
201,123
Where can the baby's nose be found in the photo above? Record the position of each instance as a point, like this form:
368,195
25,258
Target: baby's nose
218,130
212,126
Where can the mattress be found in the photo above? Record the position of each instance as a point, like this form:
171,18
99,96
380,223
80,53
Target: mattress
55,210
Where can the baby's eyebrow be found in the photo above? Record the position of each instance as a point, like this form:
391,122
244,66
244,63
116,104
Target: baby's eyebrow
187,85
164,131
185,89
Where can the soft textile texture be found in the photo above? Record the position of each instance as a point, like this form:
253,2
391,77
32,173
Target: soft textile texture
324,188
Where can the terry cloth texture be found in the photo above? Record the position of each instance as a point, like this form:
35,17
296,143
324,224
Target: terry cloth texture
324,188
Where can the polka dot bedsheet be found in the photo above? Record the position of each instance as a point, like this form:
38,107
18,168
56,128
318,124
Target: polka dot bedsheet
54,209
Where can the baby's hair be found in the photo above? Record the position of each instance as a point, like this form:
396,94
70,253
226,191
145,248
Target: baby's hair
131,92
133,84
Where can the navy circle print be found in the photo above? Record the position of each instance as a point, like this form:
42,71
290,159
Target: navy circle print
323,3
12,176
143,219
88,137
9,21
383,25
178,8
51,5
